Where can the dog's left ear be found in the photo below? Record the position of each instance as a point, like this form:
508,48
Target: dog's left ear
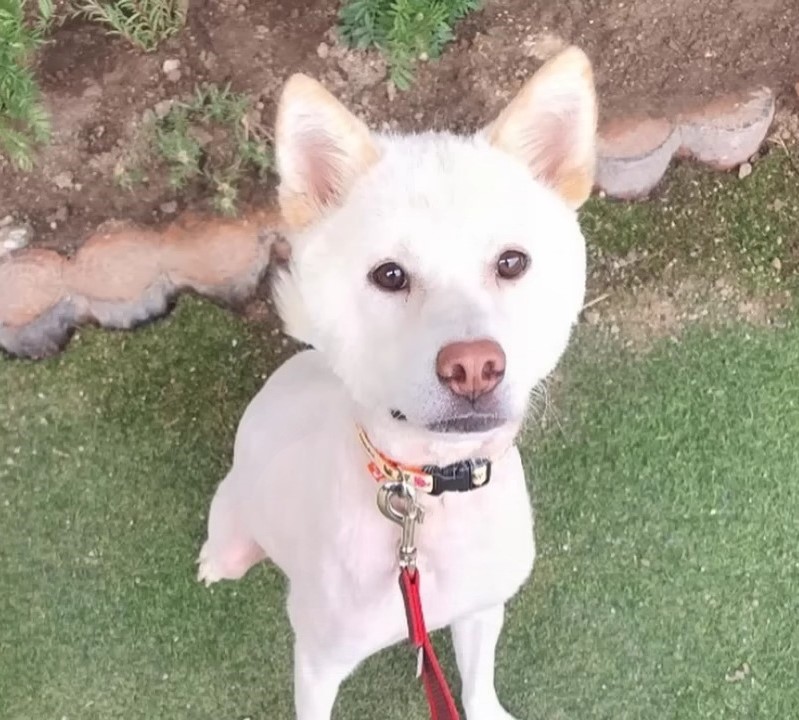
551,126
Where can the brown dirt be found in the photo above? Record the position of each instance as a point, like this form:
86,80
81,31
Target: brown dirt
637,317
647,52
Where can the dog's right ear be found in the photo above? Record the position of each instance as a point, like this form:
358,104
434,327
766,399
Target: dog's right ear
321,149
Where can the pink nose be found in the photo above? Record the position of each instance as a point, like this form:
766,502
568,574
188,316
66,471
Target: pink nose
472,368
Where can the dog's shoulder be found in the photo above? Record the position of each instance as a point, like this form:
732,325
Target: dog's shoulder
298,399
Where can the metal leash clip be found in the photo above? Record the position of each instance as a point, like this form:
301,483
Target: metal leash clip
397,501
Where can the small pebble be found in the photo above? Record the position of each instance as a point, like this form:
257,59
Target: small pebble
15,237
208,59
162,108
323,50
592,317
169,208
744,170
64,180
92,91
170,65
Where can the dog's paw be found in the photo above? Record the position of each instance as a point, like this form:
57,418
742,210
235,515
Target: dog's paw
228,562
206,572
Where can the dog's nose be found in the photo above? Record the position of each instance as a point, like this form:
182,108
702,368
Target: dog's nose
472,368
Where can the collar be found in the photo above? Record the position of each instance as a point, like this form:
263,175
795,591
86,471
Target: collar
431,479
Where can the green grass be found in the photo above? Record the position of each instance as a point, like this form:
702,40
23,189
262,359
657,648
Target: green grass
405,31
209,138
711,223
667,510
24,122
668,513
143,23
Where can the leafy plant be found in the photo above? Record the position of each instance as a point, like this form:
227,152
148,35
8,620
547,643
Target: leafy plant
24,123
180,148
404,30
211,137
145,23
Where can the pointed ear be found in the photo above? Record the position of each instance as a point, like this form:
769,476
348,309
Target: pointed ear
321,149
551,125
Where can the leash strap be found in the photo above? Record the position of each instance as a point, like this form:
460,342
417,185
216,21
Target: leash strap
439,698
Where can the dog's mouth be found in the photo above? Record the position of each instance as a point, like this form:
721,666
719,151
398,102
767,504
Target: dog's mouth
470,423
473,423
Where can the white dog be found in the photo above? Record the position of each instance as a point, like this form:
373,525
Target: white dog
438,279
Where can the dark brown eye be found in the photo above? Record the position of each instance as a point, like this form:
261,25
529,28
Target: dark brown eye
512,264
390,277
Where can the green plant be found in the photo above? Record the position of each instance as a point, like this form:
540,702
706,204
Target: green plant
145,23
178,146
212,137
128,177
404,30
24,122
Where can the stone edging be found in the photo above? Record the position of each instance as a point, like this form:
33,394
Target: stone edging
635,151
125,275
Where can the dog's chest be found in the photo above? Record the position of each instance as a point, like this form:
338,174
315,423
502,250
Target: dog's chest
474,560
473,553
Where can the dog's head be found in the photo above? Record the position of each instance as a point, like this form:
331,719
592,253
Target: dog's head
440,275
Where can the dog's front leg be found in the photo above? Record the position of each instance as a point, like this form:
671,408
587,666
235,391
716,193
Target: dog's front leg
475,640
317,678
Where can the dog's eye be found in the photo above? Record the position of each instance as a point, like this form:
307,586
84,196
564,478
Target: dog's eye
512,264
389,276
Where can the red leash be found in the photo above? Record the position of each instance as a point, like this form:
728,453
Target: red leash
397,501
439,697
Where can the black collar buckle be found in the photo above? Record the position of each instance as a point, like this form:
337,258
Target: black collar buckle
459,477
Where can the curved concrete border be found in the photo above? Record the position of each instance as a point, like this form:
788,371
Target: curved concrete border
125,275
634,152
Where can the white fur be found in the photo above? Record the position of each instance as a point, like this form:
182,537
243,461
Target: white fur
444,208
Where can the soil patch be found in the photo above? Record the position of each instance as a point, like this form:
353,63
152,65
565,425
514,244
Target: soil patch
649,53
640,316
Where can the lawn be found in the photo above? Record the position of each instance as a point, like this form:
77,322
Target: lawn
667,520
